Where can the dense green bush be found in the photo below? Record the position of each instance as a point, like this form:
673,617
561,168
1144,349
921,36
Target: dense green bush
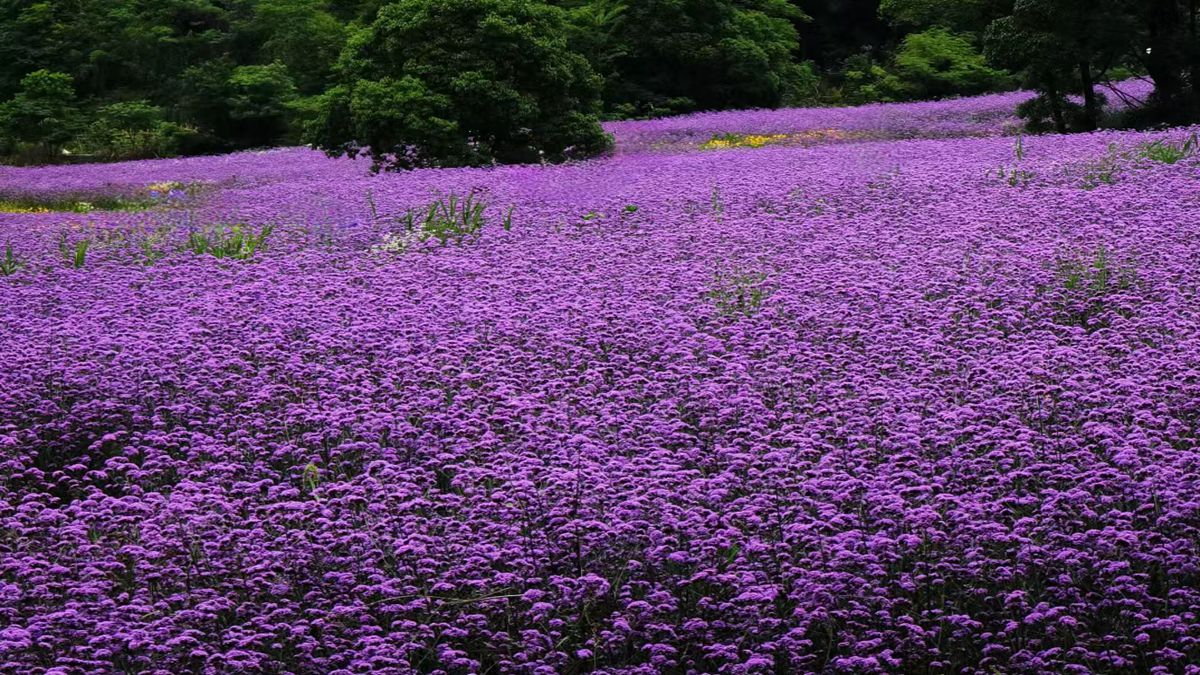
386,114
132,130
936,63
670,56
41,118
258,100
956,15
864,80
482,81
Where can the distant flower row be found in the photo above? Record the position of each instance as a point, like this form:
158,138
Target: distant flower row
978,116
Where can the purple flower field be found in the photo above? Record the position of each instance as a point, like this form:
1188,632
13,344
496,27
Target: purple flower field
891,406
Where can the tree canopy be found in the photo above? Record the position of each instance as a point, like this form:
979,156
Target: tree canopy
462,82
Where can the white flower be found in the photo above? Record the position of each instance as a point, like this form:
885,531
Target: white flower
397,243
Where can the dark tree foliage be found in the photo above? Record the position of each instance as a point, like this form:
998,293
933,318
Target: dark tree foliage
1170,31
1064,47
302,35
43,113
964,16
462,82
841,29
665,56
204,64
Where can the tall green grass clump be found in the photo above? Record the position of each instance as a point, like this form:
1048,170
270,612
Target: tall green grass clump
451,219
1014,175
10,264
1087,285
737,293
74,254
236,242
1166,152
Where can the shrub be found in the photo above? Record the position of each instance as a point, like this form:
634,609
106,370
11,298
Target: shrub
132,130
932,64
1041,113
402,115
802,86
866,81
937,63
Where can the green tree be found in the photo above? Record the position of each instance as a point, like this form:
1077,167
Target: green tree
967,16
1062,46
663,56
1167,45
83,39
238,106
937,63
840,29
132,130
258,99
399,121
43,113
864,80
486,81
303,36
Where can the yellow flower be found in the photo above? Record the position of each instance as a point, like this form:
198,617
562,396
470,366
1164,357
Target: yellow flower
164,187
15,207
739,141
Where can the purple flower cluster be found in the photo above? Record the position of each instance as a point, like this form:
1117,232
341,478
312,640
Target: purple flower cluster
851,408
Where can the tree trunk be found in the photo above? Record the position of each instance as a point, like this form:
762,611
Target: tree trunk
1056,110
1091,105
1165,61
1193,20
